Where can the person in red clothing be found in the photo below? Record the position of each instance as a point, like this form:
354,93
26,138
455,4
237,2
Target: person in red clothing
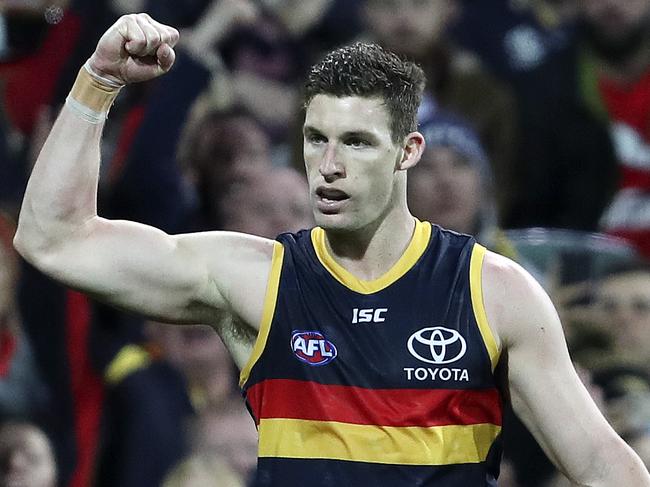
585,160
617,36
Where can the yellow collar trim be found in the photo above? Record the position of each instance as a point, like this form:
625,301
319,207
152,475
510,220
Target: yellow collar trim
413,252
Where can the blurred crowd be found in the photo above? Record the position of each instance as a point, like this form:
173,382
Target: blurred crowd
537,121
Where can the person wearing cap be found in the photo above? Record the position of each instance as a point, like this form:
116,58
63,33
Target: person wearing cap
453,184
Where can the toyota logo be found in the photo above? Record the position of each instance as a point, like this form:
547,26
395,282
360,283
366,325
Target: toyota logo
437,345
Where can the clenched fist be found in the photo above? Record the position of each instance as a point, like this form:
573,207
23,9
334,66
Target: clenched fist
135,48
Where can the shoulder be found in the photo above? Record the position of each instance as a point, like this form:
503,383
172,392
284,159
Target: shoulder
515,303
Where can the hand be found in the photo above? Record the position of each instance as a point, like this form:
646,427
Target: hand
135,48
219,20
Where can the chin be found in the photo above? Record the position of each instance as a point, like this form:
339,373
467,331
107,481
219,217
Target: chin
333,222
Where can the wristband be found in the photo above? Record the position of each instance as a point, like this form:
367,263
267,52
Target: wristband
92,95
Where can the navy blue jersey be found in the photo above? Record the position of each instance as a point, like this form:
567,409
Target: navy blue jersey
387,382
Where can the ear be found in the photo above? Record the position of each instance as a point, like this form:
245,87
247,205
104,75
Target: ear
412,151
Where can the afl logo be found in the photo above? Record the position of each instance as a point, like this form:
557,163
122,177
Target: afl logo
437,345
312,347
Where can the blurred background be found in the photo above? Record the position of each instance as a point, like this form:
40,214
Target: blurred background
537,120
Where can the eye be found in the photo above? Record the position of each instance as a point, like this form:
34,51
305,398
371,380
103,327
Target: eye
357,142
315,138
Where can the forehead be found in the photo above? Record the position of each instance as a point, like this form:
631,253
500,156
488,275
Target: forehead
336,115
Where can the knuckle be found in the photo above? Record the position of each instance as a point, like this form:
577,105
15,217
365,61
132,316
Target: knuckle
139,42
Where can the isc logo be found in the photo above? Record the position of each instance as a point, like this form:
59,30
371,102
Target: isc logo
312,347
368,315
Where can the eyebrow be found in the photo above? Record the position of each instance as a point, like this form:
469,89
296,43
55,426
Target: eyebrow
364,134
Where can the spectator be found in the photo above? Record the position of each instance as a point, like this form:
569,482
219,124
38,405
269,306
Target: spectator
627,390
452,184
200,355
456,79
623,303
514,37
230,435
267,202
584,120
216,146
21,390
26,458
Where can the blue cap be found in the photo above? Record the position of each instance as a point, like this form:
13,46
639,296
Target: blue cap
448,130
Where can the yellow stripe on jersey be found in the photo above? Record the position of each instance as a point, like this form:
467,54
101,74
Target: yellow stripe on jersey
268,311
436,445
476,289
413,252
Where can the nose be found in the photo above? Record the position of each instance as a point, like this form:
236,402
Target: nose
330,167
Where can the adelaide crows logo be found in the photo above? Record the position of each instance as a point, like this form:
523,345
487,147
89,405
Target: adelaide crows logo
312,347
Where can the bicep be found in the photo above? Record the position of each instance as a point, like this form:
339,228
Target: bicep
544,388
142,269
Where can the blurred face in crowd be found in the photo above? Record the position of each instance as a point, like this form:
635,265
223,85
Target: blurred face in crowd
232,435
267,202
26,458
445,188
218,149
616,28
624,302
227,144
408,27
202,357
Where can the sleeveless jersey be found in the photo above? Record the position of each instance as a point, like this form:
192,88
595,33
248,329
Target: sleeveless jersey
387,382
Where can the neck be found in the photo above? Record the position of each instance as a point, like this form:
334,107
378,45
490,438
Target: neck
370,252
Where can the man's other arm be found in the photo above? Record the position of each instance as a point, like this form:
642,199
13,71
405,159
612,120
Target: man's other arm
545,391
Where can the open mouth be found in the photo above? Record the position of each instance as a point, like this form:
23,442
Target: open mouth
330,200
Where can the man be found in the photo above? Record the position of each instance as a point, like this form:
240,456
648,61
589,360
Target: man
367,345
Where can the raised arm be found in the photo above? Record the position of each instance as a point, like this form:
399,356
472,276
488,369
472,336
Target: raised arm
187,278
544,388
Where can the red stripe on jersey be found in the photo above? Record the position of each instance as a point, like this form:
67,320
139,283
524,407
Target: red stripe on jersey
294,399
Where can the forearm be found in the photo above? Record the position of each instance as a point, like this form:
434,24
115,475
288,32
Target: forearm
621,466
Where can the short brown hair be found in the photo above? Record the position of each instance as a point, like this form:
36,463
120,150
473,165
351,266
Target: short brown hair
367,70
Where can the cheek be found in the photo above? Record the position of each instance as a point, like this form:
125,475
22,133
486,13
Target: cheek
310,156
378,183
468,187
